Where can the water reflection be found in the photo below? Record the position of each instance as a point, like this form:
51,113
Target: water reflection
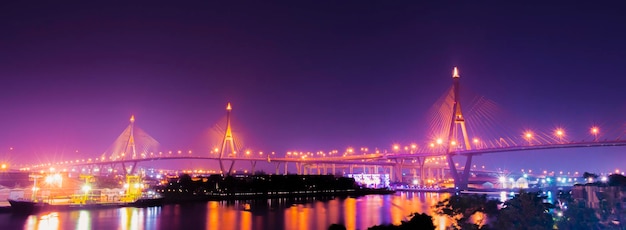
48,221
84,222
306,214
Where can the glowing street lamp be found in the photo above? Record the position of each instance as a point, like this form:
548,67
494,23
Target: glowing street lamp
529,137
476,142
559,133
439,141
396,147
595,130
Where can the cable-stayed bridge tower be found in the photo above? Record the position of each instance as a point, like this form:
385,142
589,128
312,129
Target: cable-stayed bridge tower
132,144
227,141
458,121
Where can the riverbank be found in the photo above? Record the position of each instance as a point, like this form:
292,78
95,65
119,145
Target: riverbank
246,187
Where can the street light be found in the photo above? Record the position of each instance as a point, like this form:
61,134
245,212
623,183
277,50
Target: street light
559,133
476,142
439,141
595,130
529,137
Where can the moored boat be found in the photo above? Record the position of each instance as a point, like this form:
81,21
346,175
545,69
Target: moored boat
133,195
29,206
26,206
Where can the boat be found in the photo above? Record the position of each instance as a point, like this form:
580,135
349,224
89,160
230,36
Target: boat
88,198
32,206
147,200
26,206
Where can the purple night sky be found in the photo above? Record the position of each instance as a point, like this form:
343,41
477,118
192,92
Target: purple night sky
306,75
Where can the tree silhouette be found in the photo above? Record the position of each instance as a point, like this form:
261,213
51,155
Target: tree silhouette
578,216
527,210
417,221
461,208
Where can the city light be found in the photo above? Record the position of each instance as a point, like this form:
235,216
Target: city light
528,135
86,188
594,131
559,133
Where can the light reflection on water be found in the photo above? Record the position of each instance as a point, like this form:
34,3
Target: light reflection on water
305,214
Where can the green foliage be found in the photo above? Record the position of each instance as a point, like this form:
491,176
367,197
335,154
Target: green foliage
417,221
336,227
589,175
617,180
610,204
527,210
578,216
461,208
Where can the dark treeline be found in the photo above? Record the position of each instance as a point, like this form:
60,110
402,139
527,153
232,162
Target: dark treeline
186,187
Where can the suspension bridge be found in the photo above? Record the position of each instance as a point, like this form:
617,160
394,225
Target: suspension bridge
450,139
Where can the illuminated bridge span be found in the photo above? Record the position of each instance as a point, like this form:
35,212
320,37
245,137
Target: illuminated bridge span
476,152
450,139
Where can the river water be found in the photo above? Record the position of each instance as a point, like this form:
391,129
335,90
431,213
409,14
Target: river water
302,214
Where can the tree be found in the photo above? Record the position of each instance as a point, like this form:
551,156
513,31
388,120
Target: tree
578,216
610,204
527,210
461,208
588,175
337,227
617,180
417,221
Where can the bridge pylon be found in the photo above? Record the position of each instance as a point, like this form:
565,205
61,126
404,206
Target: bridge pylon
227,141
458,121
130,145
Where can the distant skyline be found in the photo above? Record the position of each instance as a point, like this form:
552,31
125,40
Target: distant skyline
307,75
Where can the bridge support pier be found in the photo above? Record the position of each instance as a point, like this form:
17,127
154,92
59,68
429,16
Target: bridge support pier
298,168
124,168
132,170
230,169
253,165
421,162
460,181
390,172
398,175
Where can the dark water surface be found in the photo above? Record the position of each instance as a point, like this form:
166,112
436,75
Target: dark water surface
354,213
